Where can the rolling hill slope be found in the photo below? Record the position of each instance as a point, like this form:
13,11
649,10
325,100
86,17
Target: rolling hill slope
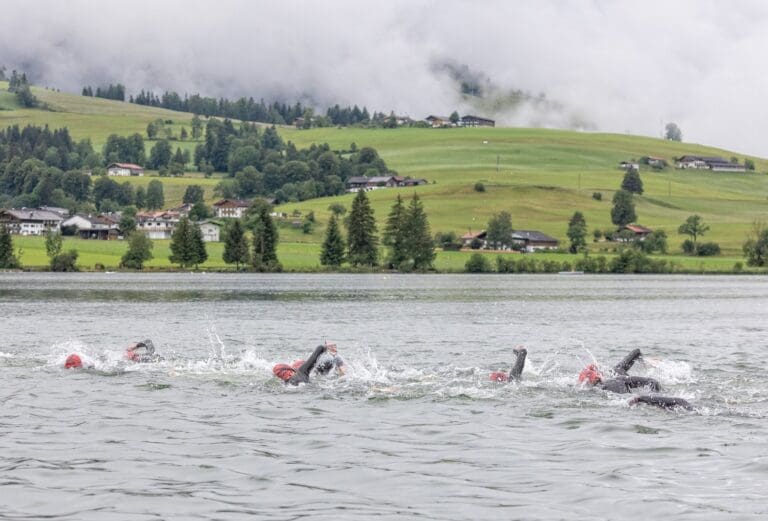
540,176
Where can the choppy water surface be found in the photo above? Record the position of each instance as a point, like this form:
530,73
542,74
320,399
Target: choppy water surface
414,430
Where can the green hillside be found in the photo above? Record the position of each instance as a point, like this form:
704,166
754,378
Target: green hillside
540,176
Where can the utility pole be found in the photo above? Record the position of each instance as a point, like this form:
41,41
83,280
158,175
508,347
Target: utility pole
579,181
669,189
497,164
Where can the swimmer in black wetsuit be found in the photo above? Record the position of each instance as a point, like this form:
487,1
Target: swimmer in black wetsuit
622,382
296,375
330,360
517,369
665,402
142,352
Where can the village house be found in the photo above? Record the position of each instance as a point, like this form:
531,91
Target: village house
157,225
30,221
232,208
532,240
715,164
124,169
477,121
474,237
626,165
211,231
640,232
439,121
357,183
656,162
93,226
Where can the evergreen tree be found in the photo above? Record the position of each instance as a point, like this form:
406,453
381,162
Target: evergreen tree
577,233
197,127
199,212
632,182
155,197
394,235
141,197
333,246
419,245
194,194
187,246
236,245
623,211
264,241
362,243
160,155
7,259
139,251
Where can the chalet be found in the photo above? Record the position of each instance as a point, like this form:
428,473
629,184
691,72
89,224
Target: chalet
183,210
641,232
656,162
357,183
30,221
715,164
157,225
235,208
626,165
125,169
413,182
93,226
471,237
531,240
439,121
477,121
211,231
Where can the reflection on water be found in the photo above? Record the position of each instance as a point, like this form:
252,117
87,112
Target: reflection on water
414,429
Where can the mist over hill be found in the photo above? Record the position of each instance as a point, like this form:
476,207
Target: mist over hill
613,66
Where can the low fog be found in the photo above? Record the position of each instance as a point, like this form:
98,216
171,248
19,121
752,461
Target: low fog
618,66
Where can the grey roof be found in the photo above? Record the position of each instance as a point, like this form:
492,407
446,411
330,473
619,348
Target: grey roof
34,214
532,235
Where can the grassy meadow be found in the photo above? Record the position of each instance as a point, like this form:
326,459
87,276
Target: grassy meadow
540,176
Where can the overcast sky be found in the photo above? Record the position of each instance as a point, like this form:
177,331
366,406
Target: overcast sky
623,66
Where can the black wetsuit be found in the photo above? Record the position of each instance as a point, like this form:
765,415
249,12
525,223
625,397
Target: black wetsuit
517,369
665,402
623,383
302,373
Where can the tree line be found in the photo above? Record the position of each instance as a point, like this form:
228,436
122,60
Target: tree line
114,92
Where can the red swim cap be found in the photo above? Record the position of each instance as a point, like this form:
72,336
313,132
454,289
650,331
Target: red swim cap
590,374
283,371
498,376
73,362
132,355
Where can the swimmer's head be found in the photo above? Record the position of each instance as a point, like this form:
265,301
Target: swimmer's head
73,361
590,374
330,347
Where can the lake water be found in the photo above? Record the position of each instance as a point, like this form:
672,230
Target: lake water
414,430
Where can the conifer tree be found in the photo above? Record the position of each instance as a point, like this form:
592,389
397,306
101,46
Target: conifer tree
7,259
394,233
577,233
187,246
419,245
265,241
362,243
632,182
333,247
236,245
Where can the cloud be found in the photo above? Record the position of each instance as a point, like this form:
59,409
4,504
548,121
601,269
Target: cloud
618,66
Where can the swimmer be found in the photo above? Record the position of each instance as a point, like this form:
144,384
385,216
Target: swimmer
75,361
517,369
299,371
622,382
141,352
664,402
330,360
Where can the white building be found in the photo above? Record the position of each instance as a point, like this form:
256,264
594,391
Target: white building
125,169
30,221
157,225
211,231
